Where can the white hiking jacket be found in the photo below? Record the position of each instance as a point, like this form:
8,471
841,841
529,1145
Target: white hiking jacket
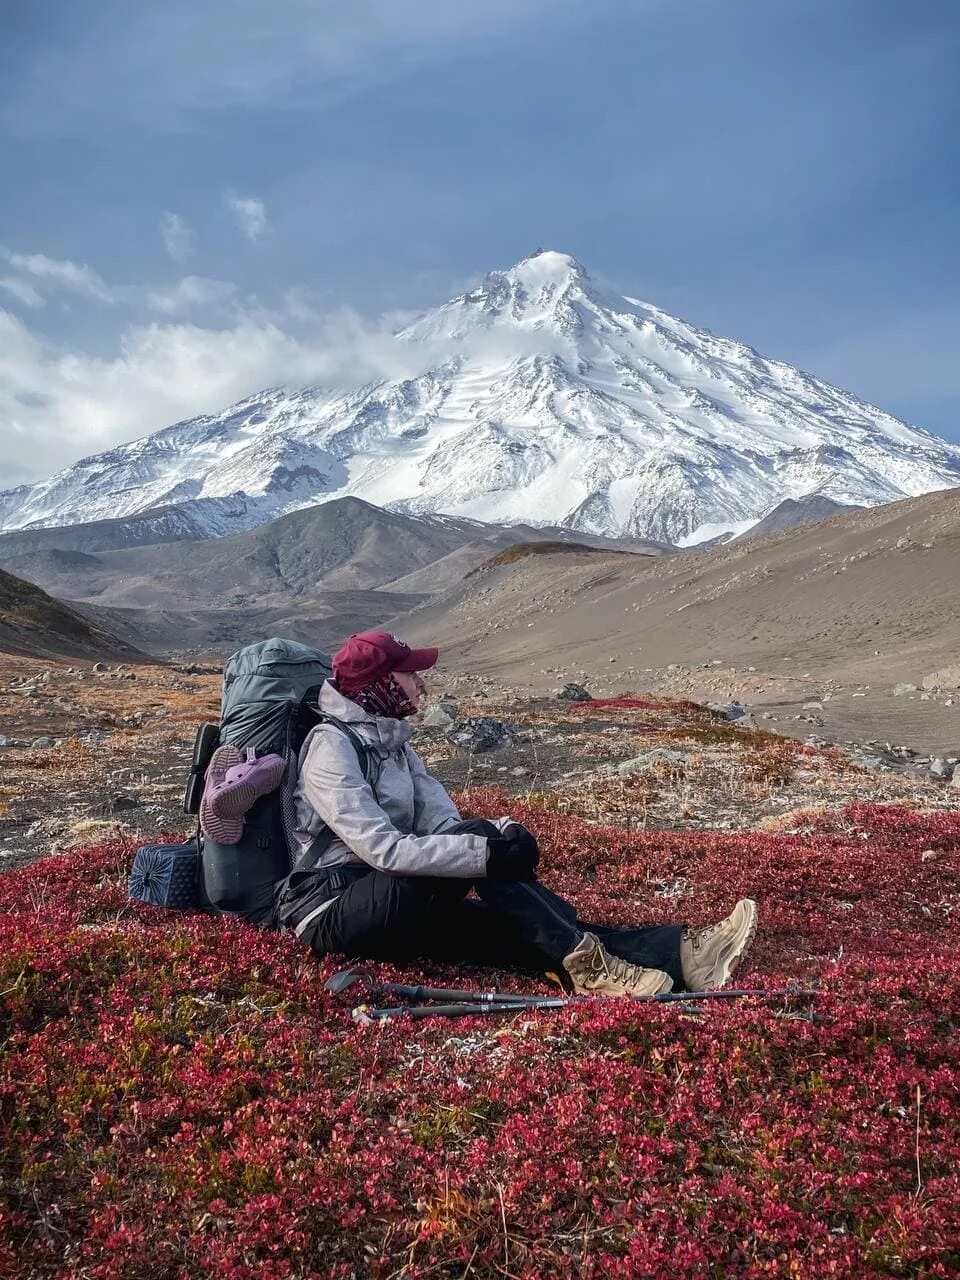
397,824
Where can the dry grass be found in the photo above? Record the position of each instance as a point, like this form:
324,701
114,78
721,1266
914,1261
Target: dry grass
729,778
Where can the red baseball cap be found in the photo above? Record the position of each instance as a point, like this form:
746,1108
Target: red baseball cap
372,654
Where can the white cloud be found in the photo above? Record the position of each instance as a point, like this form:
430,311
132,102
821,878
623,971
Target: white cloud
63,274
178,237
249,214
56,406
22,290
189,293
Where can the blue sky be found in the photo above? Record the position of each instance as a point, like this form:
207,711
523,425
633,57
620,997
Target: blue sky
202,199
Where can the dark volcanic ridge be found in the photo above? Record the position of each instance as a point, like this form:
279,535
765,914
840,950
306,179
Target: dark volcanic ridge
324,567
33,624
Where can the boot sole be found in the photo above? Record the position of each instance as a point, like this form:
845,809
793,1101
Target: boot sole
222,830
732,963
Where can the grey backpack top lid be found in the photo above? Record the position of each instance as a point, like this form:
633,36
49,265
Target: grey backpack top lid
260,682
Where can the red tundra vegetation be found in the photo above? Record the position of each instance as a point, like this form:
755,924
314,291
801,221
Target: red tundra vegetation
180,1098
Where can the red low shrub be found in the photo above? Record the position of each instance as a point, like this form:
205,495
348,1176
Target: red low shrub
180,1098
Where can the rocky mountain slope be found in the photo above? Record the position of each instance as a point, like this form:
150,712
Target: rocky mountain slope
792,512
32,624
536,397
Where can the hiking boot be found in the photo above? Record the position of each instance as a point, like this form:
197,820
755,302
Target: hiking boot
595,972
710,957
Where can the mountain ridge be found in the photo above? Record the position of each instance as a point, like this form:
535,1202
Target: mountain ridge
536,397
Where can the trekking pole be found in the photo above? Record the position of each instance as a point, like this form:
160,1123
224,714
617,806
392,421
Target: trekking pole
347,978
368,1014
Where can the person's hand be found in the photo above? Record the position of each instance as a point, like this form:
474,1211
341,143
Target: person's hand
513,855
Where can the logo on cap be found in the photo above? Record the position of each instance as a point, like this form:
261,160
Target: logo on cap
396,639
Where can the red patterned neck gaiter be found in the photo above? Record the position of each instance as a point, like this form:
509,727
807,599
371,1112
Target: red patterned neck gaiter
383,697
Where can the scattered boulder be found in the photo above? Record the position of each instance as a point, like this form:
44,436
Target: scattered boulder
955,780
729,710
574,693
441,715
480,733
99,668
656,755
946,678
900,689
41,743
4,740
939,768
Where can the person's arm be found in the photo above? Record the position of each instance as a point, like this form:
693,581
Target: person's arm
433,810
332,783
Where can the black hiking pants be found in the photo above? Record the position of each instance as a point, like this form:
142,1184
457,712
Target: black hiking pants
516,924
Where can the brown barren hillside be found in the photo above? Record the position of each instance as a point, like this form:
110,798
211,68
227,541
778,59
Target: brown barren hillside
33,624
851,605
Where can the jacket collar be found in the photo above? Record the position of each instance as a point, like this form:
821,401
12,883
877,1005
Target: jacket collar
391,733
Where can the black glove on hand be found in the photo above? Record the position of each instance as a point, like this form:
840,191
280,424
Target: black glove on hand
513,855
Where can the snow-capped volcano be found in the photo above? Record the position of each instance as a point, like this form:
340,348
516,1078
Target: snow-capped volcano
535,397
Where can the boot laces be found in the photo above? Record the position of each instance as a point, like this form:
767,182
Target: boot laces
699,936
610,966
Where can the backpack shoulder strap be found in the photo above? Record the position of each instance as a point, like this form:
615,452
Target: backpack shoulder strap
363,749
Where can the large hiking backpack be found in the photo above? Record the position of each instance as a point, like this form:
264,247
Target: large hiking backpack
270,693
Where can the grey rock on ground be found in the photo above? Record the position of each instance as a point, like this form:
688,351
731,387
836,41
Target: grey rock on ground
440,716
574,693
480,733
663,755
945,678
729,710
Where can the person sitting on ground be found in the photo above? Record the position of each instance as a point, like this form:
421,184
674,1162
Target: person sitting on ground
387,864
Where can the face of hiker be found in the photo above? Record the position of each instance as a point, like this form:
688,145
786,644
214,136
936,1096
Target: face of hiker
411,682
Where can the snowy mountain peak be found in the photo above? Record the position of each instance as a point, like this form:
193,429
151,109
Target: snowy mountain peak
536,397
545,273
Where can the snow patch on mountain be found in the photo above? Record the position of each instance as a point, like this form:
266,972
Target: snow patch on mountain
537,397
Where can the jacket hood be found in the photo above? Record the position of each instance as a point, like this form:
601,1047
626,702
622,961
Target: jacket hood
390,733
